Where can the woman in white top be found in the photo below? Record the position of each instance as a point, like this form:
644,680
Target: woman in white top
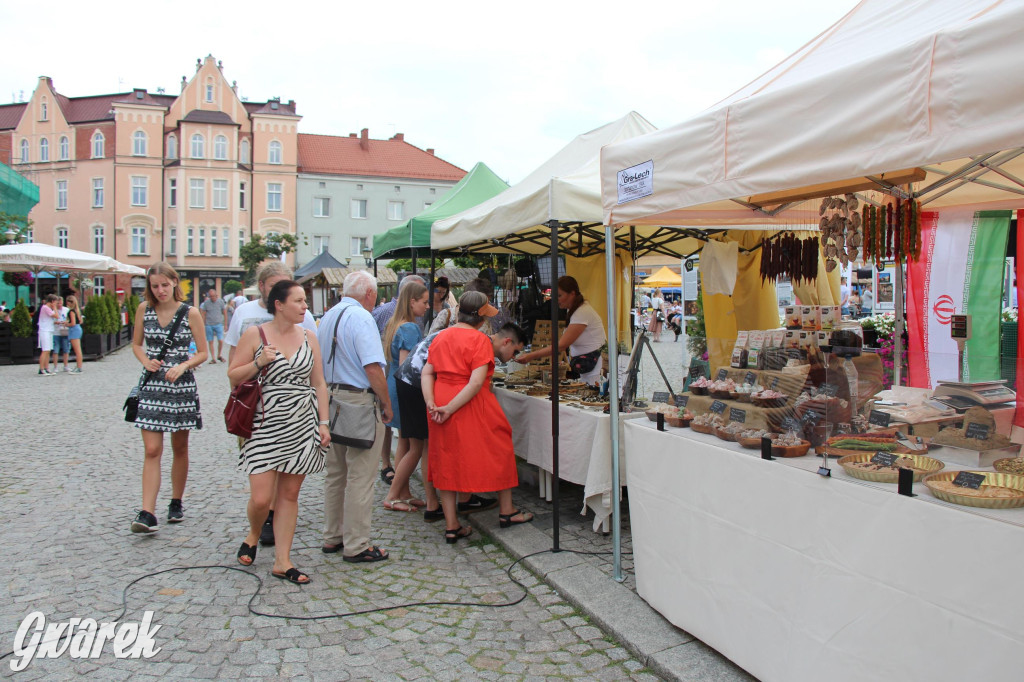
583,337
657,315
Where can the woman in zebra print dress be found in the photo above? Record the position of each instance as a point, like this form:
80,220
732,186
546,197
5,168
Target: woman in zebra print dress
290,434
169,402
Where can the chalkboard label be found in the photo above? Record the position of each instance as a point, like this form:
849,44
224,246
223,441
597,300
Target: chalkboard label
723,374
718,407
775,383
968,479
660,397
830,390
737,415
810,417
790,424
886,459
750,378
696,371
681,400
879,418
976,430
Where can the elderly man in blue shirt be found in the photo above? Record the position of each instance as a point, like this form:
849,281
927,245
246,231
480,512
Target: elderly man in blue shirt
354,376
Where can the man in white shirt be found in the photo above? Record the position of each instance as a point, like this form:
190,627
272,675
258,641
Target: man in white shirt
47,315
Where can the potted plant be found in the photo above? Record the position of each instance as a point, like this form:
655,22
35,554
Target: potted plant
22,343
870,333
93,321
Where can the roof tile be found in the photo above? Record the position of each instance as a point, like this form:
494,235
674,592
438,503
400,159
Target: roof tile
394,158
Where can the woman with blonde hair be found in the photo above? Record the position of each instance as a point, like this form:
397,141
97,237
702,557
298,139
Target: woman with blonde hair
400,337
75,332
168,395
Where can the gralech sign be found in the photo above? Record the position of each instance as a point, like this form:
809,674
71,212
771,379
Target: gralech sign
636,182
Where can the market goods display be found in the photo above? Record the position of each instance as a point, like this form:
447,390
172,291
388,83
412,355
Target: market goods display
841,230
751,438
681,419
722,388
701,386
892,231
1009,465
977,422
706,423
731,431
859,443
788,255
768,398
860,466
997,491
789,445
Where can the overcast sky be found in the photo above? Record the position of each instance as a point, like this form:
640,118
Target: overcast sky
508,84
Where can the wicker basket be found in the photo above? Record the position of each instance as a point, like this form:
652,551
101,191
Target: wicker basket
1010,481
702,428
923,466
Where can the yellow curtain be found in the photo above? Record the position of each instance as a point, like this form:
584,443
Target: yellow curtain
590,274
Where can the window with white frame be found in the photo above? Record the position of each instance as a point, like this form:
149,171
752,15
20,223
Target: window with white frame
64,148
209,92
140,190
274,153
62,195
43,111
172,147
97,193
62,237
196,193
220,194
273,196
243,151
44,149
98,145
396,210
241,240
358,208
99,286
321,207
241,195
97,240
202,241
359,188
30,235
213,241
226,243
433,190
189,248
198,146
172,242
139,240
139,143
220,148
321,243
172,193
357,246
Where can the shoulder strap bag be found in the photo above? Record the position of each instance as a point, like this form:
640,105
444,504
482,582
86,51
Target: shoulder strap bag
354,425
131,403
240,412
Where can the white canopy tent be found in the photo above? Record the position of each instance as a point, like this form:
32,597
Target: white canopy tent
37,258
888,91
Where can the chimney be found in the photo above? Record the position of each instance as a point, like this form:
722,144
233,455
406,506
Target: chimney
399,136
364,138
352,135
47,80
430,151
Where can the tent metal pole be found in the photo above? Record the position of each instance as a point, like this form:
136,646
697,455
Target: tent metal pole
613,401
430,291
897,368
554,225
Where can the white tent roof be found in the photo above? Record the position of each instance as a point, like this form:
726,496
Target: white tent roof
44,257
566,188
930,84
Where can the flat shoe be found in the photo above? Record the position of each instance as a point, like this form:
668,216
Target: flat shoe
506,520
452,536
387,475
332,549
476,503
406,507
246,551
431,515
416,502
368,555
292,575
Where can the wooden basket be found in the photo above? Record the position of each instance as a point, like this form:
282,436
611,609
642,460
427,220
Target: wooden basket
678,422
791,450
769,402
702,428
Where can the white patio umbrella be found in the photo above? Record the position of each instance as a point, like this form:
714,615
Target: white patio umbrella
37,258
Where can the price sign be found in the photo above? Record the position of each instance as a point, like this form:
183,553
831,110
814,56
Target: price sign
696,371
681,400
718,407
969,479
737,415
977,431
723,374
886,459
830,390
750,378
879,418
660,397
810,417
790,424
775,383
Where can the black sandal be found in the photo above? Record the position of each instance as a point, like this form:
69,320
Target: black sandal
293,575
368,555
387,475
452,536
505,520
247,551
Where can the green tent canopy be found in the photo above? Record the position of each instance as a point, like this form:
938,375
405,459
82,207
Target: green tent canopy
478,185
17,194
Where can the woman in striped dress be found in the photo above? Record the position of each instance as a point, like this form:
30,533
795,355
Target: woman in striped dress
169,401
290,435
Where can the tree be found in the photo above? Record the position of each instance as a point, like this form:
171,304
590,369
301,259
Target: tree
18,280
232,286
11,222
260,249
93,316
130,307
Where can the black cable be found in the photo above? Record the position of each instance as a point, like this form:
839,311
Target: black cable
259,588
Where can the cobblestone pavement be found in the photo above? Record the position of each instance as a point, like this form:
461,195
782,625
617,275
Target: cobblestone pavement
69,486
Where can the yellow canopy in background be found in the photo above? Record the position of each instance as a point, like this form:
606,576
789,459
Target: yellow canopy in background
664,278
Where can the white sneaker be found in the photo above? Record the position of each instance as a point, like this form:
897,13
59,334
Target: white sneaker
76,370
45,373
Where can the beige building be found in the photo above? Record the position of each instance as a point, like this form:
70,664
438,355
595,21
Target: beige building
144,177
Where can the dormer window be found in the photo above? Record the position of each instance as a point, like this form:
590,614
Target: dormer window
209,92
42,111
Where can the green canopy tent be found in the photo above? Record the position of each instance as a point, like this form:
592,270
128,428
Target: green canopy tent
477,186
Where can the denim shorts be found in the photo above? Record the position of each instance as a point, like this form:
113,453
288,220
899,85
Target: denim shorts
214,331
61,344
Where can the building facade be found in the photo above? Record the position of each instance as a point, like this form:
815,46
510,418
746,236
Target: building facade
144,177
352,188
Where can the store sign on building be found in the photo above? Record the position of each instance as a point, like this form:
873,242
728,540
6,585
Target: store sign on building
636,182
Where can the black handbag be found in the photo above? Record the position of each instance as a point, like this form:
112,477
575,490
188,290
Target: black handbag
131,403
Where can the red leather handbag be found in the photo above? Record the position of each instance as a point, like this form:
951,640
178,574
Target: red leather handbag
240,412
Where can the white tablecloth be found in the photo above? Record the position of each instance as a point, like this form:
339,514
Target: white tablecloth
584,445
795,576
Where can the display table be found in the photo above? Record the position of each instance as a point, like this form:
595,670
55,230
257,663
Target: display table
794,576
584,445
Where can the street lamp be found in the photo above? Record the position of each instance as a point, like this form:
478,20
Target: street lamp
11,235
367,255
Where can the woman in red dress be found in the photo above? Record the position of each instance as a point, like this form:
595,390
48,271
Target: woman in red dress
470,446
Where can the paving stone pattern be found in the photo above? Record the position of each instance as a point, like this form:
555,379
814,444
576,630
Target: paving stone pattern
70,484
